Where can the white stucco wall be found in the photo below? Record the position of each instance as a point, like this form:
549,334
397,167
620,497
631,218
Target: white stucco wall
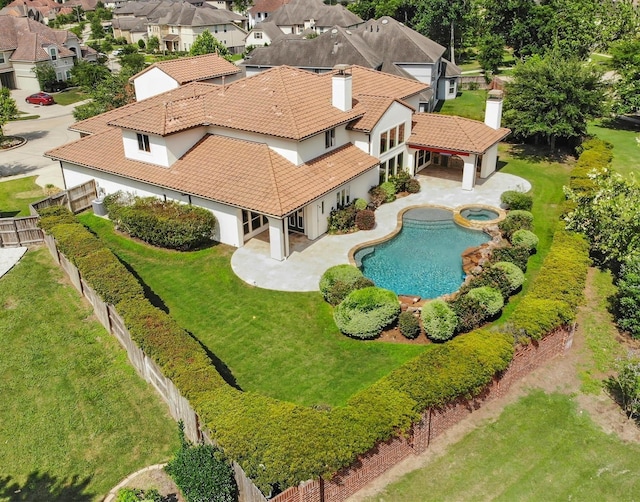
152,83
394,116
157,155
228,229
258,42
179,143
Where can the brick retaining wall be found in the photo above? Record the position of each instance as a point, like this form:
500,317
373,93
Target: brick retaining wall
434,422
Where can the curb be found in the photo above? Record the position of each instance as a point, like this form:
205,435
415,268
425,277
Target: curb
114,491
24,142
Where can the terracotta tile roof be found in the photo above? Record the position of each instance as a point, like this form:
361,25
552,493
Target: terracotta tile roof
236,172
266,5
375,107
185,70
100,123
453,133
283,101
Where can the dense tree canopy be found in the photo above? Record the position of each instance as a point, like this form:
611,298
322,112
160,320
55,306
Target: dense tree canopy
206,43
552,98
626,62
8,109
111,92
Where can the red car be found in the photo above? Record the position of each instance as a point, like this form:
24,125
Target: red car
40,98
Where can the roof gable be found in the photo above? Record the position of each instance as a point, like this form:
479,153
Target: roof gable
192,69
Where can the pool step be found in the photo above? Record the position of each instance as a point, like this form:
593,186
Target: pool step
409,223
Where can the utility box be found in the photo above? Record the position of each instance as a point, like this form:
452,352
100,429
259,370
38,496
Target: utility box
98,207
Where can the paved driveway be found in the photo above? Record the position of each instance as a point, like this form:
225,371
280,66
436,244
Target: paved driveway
44,133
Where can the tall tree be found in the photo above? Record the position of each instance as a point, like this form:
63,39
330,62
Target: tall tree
491,52
626,62
8,109
46,75
112,92
206,43
552,98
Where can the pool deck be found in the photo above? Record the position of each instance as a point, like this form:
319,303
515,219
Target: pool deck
308,260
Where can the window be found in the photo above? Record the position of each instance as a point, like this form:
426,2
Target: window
383,142
400,161
392,138
452,86
401,133
383,173
53,53
1,57
257,35
143,142
330,138
342,198
392,166
252,221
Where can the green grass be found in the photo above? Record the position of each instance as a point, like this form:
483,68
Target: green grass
284,345
541,448
70,96
626,149
24,116
16,195
547,177
75,417
469,104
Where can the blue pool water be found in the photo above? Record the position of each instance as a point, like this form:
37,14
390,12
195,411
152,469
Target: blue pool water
479,214
424,258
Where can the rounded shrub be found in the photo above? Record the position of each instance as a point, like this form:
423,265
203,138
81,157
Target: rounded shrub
378,196
516,255
516,220
490,276
400,180
525,239
513,273
490,299
360,204
413,186
340,280
409,325
364,313
439,320
389,190
365,219
470,312
516,200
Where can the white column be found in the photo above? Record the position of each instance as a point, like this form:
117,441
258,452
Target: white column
489,161
277,239
469,172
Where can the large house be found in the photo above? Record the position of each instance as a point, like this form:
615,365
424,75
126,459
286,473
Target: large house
383,44
296,16
177,24
25,44
274,153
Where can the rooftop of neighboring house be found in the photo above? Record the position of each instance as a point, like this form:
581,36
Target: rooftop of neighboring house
266,6
378,44
133,24
270,29
193,69
86,5
46,8
177,13
30,39
296,12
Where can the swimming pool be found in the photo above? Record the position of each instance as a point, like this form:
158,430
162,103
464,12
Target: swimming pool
479,214
424,258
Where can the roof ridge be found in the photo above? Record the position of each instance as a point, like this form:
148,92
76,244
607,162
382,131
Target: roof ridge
288,101
274,180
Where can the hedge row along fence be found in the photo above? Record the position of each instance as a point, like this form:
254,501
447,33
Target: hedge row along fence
280,444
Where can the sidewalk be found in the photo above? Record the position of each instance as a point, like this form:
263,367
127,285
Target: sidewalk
9,257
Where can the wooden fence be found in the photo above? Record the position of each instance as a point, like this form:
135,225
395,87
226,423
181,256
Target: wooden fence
368,466
76,199
16,232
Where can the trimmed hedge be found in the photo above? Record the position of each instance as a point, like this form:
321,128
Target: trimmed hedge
496,277
517,200
514,275
54,215
439,320
364,313
360,204
413,186
389,190
525,239
342,220
469,311
489,298
511,254
340,280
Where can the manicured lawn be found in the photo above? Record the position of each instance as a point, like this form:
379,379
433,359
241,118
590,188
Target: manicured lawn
69,97
540,448
16,195
284,345
469,104
75,417
626,149
547,178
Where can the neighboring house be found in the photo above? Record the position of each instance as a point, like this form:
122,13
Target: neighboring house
264,33
177,24
273,154
25,43
85,5
39,10
164,76
383,44
296,16
261,9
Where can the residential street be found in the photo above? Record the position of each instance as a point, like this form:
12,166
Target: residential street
42,134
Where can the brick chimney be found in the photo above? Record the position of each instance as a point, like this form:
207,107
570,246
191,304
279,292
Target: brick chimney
342,88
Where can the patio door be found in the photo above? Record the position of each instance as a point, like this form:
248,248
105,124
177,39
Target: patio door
296,221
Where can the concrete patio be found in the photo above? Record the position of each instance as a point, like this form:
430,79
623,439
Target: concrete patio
308,260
